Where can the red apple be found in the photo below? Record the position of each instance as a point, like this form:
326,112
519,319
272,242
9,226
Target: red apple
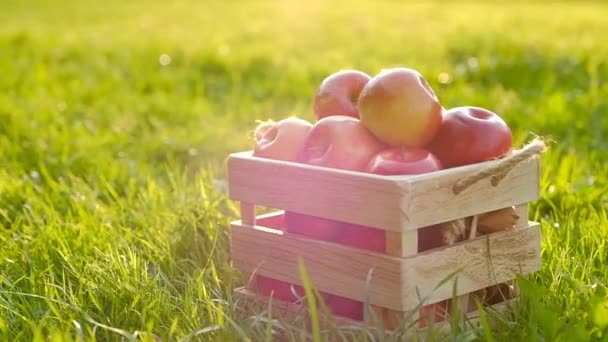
345,307
362,237
340,142
281,140
338,94
312,226
374,240
277,289
470,135
400,108
403,160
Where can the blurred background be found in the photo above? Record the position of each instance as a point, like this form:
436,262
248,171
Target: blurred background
185,80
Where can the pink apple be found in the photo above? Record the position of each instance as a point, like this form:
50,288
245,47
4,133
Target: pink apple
403,160
470,135
313,227
362,237
340,142
400,108
345,307
339,93
374,240
281,140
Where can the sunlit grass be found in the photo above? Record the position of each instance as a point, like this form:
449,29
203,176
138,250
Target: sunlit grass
113,216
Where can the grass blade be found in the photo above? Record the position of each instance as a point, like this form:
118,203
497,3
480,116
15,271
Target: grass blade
310,301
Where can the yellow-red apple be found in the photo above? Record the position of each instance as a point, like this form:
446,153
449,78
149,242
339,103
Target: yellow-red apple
400,108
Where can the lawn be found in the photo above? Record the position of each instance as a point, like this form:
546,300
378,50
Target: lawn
116,119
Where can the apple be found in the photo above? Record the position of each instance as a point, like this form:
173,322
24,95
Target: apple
345,307
403,160
470,135
278,289
281,140
313,227
400,108
340,142
497,220
362,237
430,237
374,240
338,94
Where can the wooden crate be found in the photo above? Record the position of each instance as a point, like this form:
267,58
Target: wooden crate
399,205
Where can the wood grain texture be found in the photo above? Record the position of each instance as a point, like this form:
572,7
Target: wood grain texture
333,268
398,244
346,196
522,211
396,283
402,243
393,203
430,199
479,263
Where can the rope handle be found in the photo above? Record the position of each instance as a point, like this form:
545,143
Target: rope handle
498,172
501,169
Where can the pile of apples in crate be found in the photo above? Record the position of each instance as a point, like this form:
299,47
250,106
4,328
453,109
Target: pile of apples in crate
389,124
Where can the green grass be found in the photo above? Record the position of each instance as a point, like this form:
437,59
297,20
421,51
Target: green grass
113,218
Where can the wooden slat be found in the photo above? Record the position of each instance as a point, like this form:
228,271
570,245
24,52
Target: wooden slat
333,268
398,244
395,283
522,211
430,199
394,203
402,244
480,262
248,213
353,197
